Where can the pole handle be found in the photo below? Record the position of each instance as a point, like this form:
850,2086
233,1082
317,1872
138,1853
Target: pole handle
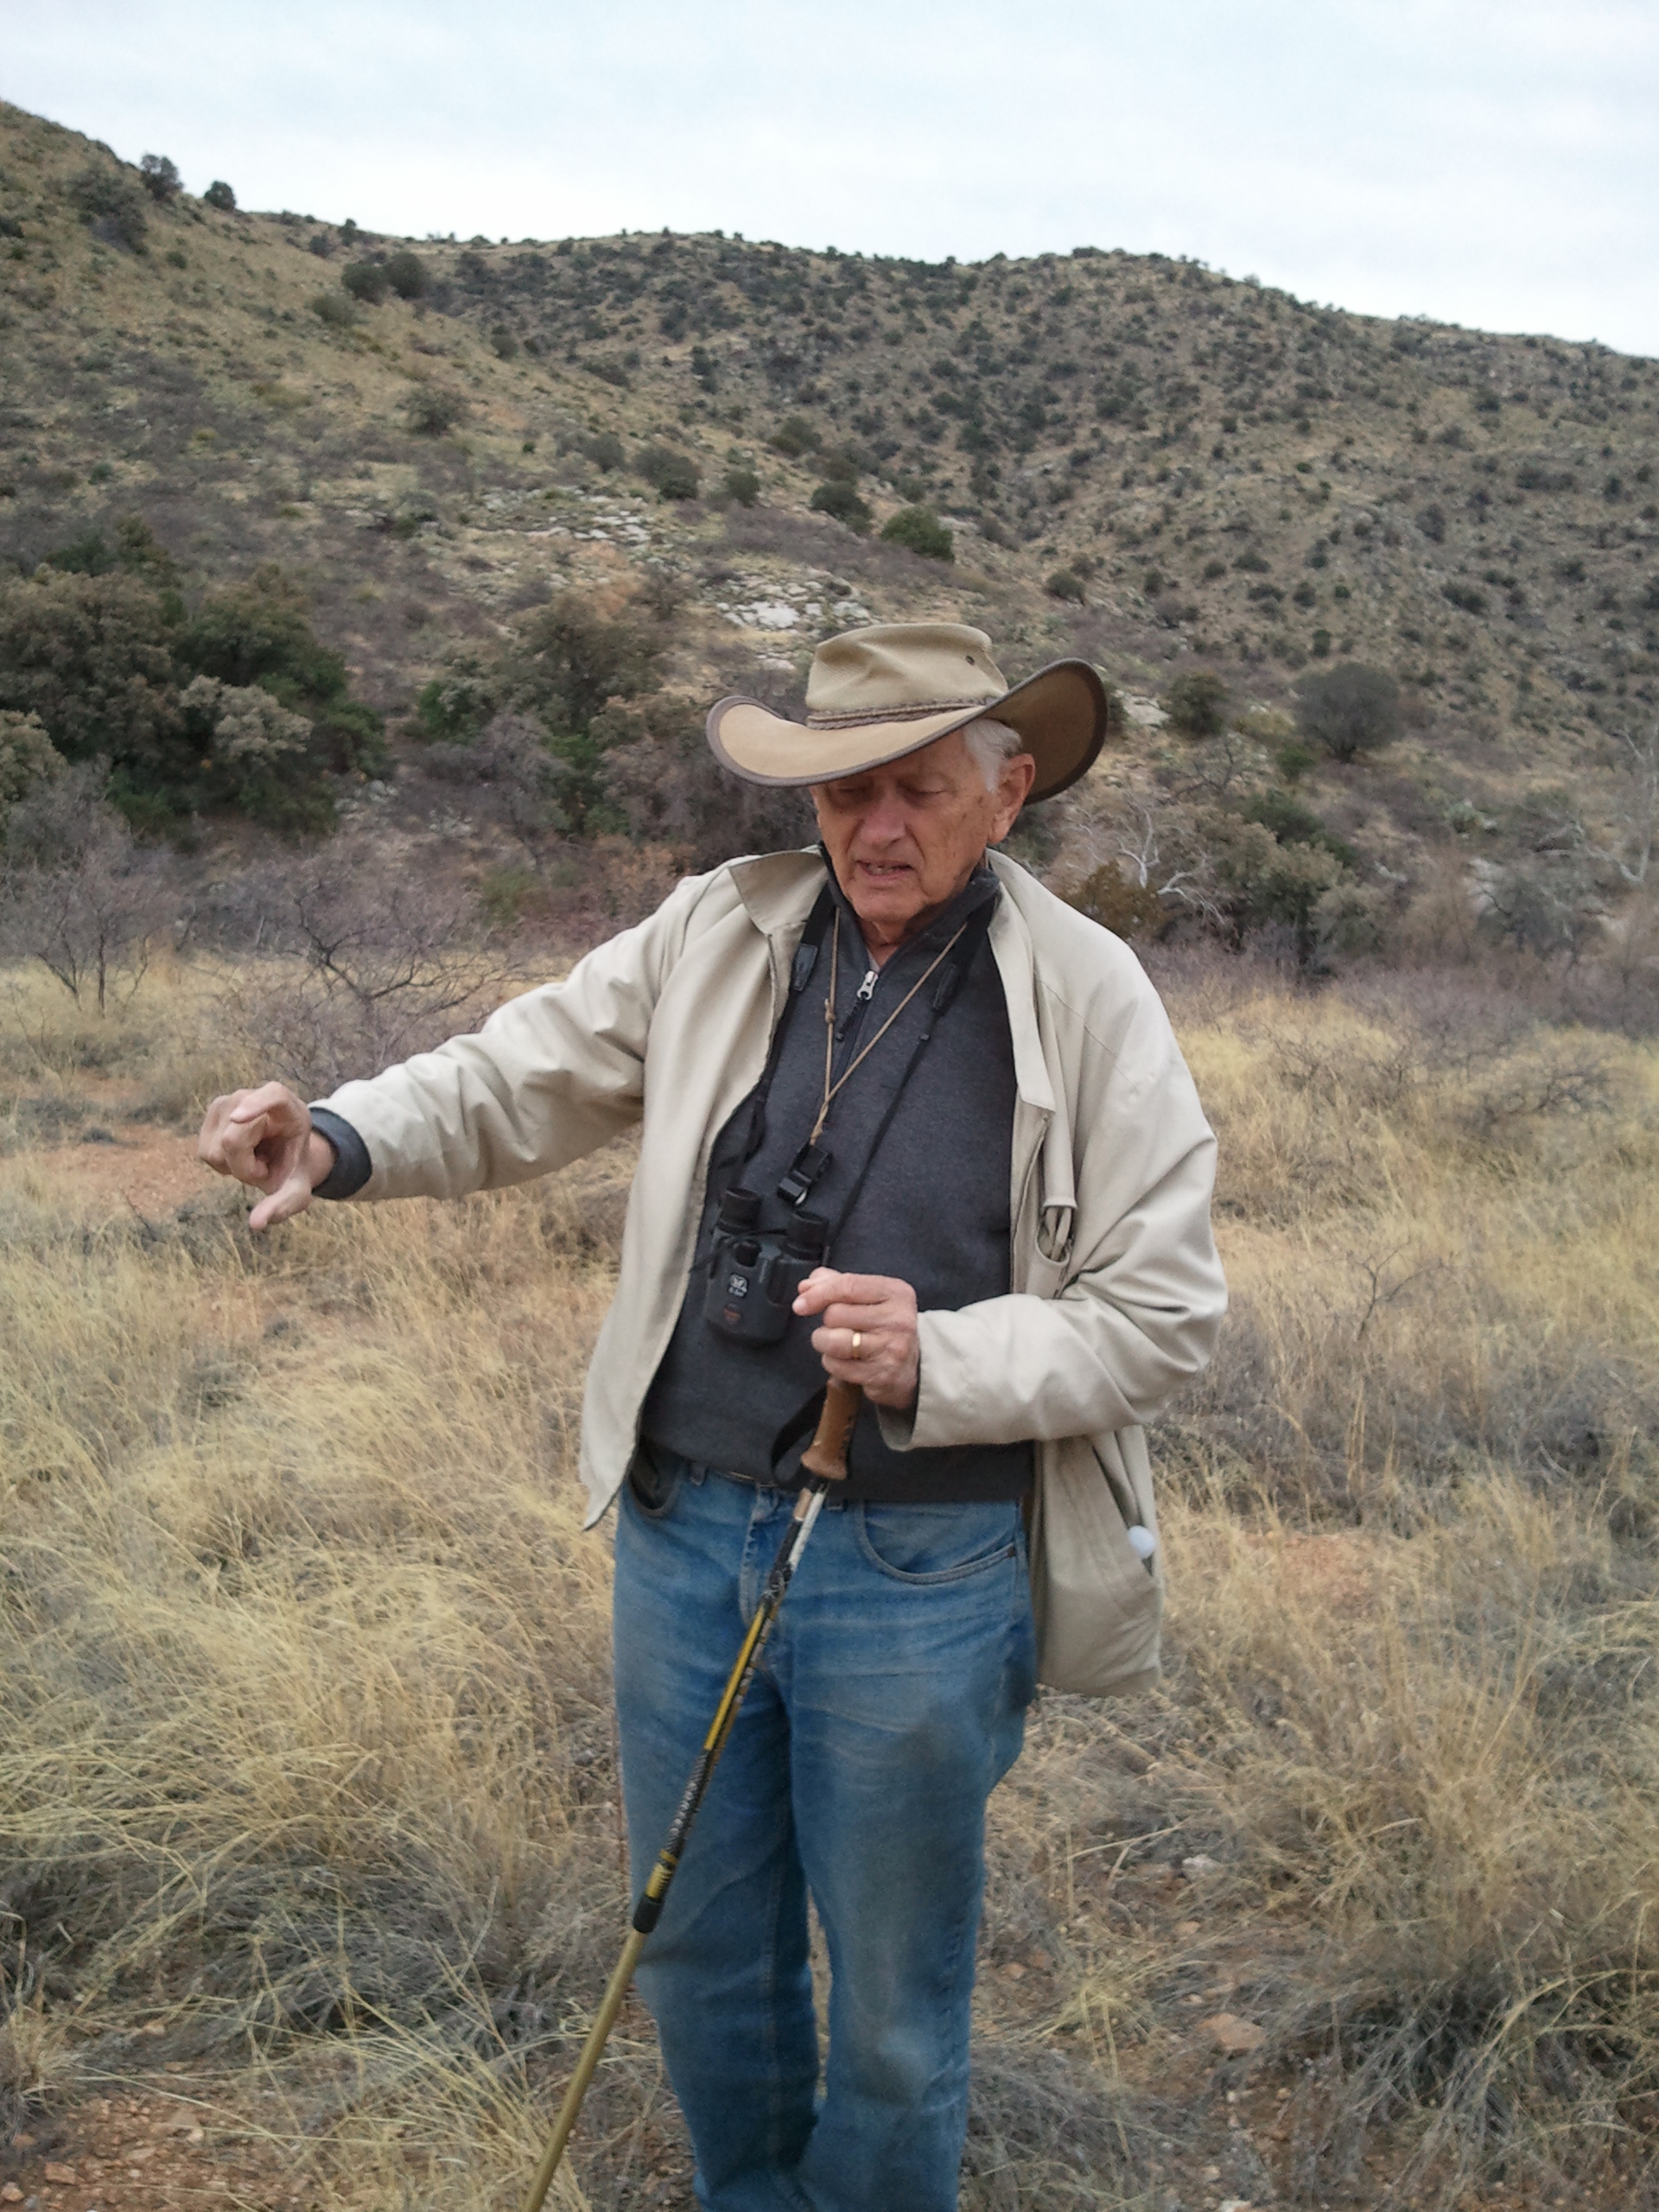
826,1455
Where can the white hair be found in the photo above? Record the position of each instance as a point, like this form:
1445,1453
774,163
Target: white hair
993,745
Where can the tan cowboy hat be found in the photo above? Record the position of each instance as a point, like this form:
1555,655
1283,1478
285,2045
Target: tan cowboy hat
878,693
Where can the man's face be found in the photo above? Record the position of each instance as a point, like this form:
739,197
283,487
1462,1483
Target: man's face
905,838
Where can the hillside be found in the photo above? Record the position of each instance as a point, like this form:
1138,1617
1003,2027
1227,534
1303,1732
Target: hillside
1210,474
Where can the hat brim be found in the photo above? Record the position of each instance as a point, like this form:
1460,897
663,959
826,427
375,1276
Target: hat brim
1059,713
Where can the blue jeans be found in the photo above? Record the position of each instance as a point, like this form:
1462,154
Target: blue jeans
890,1702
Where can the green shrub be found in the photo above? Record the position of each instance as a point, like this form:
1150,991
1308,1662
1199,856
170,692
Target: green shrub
840,499
160,179
108,199
28,758
239,706
743,486
920,529
571,658
1349,710
433,411
1466,596
672,473
1294,823
453,707
1212,570
337,313
503,343
1065,584
1293,760
218,194
1120,903
1251,563
605,451
795,436
1196,704
409,276
365,281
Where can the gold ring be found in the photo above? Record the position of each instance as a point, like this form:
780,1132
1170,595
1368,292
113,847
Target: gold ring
857,1340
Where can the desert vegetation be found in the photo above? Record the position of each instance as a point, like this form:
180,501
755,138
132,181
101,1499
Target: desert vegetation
307,1785
359,607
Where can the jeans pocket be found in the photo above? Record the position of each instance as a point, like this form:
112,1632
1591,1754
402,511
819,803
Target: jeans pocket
937,1543
654,1479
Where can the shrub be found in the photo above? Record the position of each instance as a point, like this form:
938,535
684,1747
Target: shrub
571,658
920,530
1293,823
1250,563
1349,710
1465,596
672,475
108,199
1212,570
433,411
365,281
1196,704
240,706
795,436
160,179
743,486
1065,584
218,194
1120,903
339,314
409,276
605,451
840,499
28,758
503,343
1293,760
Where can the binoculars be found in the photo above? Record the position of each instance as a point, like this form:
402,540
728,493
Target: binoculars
753,1275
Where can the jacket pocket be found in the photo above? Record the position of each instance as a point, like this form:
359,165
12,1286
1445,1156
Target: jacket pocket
1097,1607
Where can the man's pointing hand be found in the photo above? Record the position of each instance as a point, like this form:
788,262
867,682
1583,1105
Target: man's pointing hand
264,1137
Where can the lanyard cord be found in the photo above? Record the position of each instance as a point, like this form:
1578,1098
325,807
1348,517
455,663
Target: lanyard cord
831,1089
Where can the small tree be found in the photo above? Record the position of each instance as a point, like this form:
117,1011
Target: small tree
1196,704
795,436
674,475
365,281
1349,710
218,194
840,499
408,275
434,412
107,200
921,530
160,179
76,893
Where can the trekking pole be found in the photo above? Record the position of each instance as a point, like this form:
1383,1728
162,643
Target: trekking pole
823,1461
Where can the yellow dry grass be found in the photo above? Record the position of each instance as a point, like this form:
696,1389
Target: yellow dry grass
306,1770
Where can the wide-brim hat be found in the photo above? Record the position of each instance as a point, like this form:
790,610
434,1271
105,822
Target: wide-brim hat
878,693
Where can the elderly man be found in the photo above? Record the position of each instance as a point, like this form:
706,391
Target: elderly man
907,1121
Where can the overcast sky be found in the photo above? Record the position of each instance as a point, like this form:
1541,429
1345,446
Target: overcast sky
1493,163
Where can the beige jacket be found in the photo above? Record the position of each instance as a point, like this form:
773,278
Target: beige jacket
1117,1289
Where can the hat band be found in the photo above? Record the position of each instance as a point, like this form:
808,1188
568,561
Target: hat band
913,714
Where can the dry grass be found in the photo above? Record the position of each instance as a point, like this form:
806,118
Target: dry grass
307,1783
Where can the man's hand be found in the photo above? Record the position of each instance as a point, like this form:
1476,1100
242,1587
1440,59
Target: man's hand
869,1333
264,1137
